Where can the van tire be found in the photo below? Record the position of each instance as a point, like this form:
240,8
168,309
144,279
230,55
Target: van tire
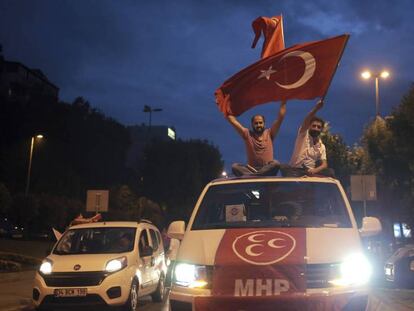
158,295
132,302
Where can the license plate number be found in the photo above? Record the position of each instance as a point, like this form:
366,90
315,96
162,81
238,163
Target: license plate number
71,292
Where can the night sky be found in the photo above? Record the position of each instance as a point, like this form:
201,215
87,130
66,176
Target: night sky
122,55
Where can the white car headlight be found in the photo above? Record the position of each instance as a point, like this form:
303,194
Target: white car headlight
354,270
192,276
116,264
46,267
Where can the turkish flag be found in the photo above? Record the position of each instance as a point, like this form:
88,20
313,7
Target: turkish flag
303,71
272,29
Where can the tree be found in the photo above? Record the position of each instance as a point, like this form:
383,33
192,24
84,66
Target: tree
175,172
5,199
338,155
390,155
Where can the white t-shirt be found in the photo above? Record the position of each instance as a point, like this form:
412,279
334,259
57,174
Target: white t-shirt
306,153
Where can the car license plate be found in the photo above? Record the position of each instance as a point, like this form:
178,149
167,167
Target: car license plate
70,292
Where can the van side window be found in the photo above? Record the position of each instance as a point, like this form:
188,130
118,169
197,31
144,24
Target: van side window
154,239
143,241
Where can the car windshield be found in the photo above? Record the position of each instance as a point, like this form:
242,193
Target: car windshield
96,241
272,204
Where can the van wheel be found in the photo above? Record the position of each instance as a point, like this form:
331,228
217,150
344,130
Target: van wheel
132,302
158,295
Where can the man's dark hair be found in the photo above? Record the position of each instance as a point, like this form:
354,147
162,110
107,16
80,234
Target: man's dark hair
317,119
257,115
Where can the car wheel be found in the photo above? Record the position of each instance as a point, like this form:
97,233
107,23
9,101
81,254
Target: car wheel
158,295
132,302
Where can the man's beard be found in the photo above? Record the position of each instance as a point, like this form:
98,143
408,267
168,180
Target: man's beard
314,133
259,130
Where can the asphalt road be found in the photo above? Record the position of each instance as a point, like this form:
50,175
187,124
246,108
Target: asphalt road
16,288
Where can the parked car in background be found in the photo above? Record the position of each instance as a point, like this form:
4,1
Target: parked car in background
399,268
5,227
102,264
17,232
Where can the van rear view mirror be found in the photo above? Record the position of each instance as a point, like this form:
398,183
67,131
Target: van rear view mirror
370,226
176,230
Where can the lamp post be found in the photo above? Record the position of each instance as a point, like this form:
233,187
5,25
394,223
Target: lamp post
30,161
384,75
150,110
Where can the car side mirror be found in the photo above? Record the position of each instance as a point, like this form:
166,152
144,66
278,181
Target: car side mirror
370,226
146,251
176,230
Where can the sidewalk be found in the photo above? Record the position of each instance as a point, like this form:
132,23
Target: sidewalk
16,290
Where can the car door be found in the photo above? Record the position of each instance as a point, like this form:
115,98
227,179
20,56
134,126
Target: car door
146,261
157,264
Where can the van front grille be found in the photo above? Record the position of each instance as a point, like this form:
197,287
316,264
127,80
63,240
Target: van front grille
319,275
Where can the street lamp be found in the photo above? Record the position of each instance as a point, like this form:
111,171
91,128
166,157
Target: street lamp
384,75
150,110
30,161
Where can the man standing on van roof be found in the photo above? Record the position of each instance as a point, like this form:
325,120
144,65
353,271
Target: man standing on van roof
259,145
309,154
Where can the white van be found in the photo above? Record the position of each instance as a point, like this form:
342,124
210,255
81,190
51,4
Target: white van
102,264
262,243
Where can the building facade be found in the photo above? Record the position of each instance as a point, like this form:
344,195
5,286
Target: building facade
19,82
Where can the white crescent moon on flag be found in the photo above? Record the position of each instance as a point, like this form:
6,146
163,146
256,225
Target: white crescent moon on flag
249,250
310,66
272,244
252,237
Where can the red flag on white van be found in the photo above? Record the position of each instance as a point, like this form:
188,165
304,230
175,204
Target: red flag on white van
266,262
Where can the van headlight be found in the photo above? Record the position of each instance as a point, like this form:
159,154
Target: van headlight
192,276
116,264
46,266
354,270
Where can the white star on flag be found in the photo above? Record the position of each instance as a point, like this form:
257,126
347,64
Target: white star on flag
266,73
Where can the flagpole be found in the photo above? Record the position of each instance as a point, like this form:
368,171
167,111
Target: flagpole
339,59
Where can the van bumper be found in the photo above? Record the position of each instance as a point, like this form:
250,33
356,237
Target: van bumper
354,301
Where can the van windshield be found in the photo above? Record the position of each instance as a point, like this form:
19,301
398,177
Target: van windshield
272,204
96,241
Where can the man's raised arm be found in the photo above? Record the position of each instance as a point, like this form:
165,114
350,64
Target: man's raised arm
236,124
310,115
278,122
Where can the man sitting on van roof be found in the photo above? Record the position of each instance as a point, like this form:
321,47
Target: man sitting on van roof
259,145
309,154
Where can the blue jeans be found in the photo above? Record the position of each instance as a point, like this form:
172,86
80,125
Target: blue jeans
269,169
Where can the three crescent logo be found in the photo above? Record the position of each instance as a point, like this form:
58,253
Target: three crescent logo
310,67
263,247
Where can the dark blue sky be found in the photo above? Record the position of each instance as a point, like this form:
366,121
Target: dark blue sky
122,55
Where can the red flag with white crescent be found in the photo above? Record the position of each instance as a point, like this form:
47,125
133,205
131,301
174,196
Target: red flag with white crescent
303,71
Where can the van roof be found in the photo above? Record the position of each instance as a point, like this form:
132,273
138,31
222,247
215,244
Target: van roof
274,178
